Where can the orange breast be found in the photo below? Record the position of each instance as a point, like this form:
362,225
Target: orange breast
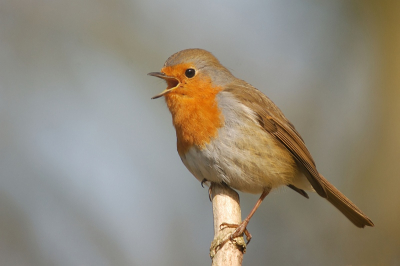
195,114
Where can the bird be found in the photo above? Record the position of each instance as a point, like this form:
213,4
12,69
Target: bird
229,132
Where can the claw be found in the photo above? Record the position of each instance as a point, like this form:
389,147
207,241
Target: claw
248,236
240,230
209,189
210,193
218,247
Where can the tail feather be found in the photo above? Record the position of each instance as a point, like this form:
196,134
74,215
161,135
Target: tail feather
345,206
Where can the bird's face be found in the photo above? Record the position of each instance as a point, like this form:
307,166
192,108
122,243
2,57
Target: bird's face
192,73
184,80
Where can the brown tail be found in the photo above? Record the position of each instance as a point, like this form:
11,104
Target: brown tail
345,206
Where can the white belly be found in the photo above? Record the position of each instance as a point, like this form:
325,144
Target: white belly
243,155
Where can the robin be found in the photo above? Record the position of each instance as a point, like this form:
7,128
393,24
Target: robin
229,132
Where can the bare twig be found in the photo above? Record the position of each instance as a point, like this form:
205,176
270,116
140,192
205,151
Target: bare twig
226,208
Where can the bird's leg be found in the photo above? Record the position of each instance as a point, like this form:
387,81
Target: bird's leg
241,228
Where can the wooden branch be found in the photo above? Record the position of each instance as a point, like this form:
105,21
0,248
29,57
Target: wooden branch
226,209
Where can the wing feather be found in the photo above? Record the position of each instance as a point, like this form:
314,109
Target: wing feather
274,122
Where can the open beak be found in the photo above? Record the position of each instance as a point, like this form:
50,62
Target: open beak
171,81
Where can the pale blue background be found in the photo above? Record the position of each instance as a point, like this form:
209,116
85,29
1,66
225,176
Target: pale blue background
89,173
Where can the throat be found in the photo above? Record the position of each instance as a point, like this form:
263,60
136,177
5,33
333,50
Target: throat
196,119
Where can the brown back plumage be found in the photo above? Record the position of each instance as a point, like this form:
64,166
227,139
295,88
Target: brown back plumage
275,123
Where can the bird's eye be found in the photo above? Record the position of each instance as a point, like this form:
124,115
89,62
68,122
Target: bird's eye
190,72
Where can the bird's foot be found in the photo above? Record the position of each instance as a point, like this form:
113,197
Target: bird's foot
240,230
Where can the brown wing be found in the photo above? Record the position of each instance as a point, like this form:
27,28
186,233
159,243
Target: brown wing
274,122
299,150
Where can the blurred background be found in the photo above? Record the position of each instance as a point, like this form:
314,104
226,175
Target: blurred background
89,173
